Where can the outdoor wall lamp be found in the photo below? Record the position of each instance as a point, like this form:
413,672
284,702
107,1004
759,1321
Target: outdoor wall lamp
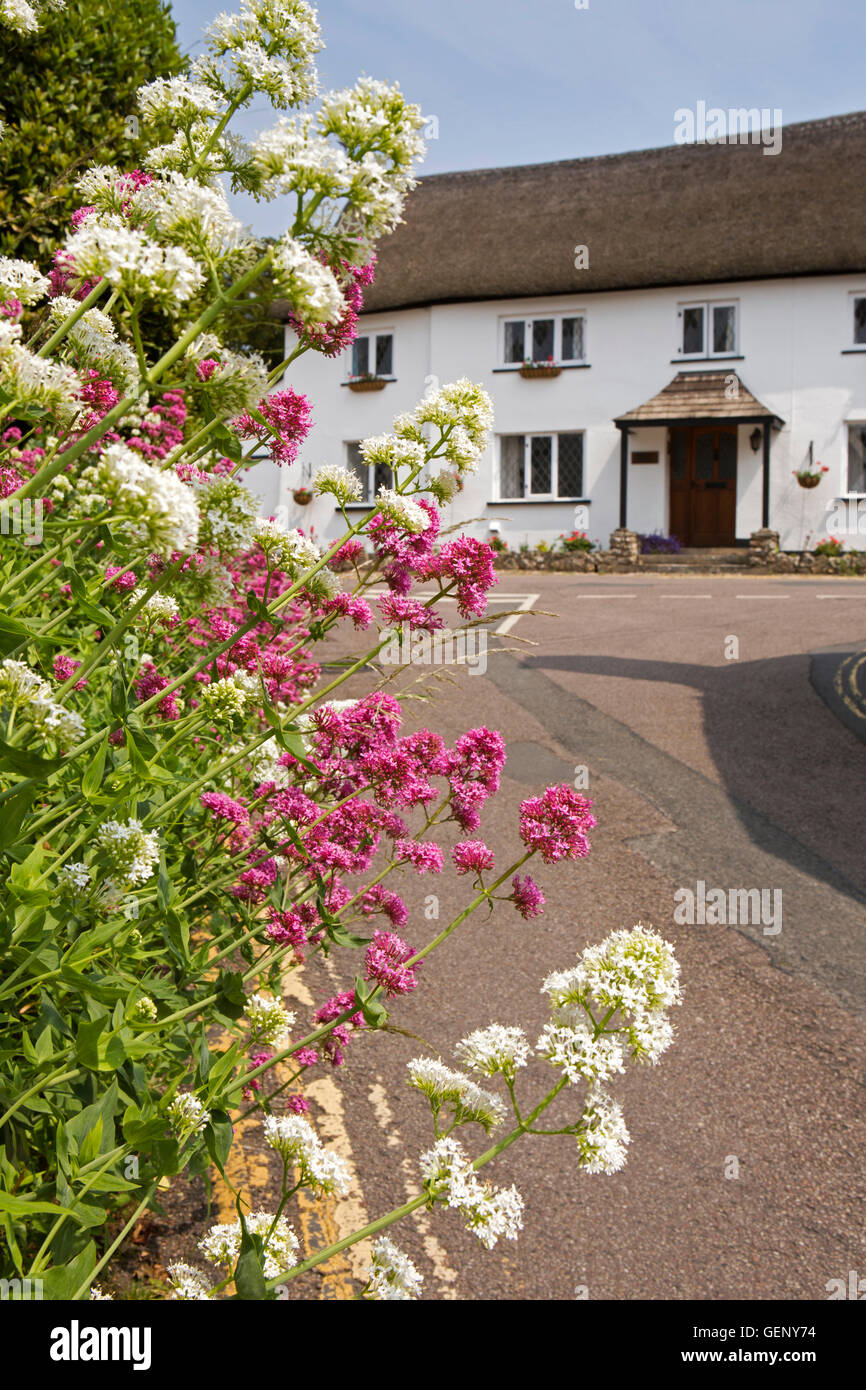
755,439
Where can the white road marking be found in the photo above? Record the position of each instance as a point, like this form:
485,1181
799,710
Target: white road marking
763,595
606,595
839,595
525,607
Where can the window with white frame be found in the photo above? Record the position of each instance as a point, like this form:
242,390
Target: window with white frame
857,458
373,355
858,319
371,478
556,338
708,329
540,465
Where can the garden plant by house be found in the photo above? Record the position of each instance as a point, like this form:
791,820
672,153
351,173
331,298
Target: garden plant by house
190,806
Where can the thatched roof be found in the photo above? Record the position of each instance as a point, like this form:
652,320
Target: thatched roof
682,215
695,396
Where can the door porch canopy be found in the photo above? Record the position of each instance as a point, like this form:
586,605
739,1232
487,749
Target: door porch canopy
699,398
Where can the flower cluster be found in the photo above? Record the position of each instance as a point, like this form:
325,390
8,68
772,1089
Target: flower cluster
442,1086
392,1274
298,1144
23,691
222,1244
491,1213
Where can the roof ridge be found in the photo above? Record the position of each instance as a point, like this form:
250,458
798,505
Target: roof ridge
840,121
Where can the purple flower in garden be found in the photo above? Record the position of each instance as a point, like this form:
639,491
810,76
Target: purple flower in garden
472,856
527,896
386,963
556,824
423,855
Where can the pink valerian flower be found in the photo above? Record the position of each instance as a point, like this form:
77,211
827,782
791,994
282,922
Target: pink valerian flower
397,610
527,896
100,395
162,428
257,1059
380,899
556,824
410,553
255,882
287,929
206,368
224,807
347,606
472,856
298,1105
63,667
348,554
306,1056
338,1038
386,958
121,580
289,416
423,855
10,481
331,339
398,776
469,563
11,309
150,683
62,275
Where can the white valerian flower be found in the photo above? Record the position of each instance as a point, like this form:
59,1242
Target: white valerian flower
298,1144
634,974
602,1137
36,381
269,1022
238,380
266,766
490,1212
152,505
94,340
402,510
188,1116
142,1010
462,412
160,608
228,512
21,280
310,286
268,44
379,130
286,550
132,852
581,1055
74,877
97,1295
393,452
194,214
187,1282
224,698
343,484
444,486
392,1274
222,1244
442,1086
292,158
107,246
177,100
495,1050
23,690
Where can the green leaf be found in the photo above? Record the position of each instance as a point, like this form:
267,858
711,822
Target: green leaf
249,1275
28,764
14,811
341,937
218,1137
63,1281
21,1208
92,779
375,1013
136,761
230,987
87,1041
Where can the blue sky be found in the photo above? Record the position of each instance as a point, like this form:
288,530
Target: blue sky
525,81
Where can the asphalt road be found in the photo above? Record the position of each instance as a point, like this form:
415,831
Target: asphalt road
711,757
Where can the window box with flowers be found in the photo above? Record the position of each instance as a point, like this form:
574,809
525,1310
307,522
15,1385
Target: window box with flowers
367,383
532,369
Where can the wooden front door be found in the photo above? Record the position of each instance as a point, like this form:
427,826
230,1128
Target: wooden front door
703,464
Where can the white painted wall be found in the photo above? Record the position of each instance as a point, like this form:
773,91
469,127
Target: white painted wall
792,336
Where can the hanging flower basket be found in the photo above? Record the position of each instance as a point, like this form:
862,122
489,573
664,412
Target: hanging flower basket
810,477
302,496
367,383
533,369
